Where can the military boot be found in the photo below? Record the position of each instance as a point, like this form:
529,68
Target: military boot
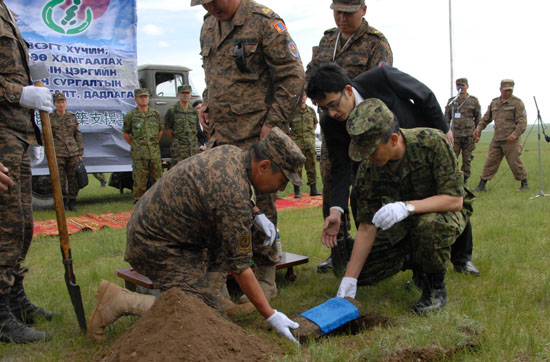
434,293
114,302
481,186
72,205
313,190
13,330
524,186
66,204
21,306
266,277
218,283
297,193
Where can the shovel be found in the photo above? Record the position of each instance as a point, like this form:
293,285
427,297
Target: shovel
70,279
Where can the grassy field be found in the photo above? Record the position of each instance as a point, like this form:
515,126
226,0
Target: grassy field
500,316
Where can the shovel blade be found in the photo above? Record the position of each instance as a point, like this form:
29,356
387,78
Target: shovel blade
76,299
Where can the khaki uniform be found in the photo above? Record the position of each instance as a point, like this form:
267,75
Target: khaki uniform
184,124
302,132
464,115
143,128
254,77
510,117
423,239
67,139
17,131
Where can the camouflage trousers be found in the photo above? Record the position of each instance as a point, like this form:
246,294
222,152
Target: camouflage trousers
466,145
512,152
426,247
144,173
308,149
16,226
180,153
67,176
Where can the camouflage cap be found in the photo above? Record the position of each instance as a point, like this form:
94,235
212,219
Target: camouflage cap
58,97
200,2
462,81
366,125
348,6
506,84
184,89
138,92
281,150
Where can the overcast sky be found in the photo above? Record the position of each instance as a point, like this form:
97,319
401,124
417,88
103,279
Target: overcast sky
492,40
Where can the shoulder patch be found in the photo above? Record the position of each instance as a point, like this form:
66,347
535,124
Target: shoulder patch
330,31
293,49
245,244
280,26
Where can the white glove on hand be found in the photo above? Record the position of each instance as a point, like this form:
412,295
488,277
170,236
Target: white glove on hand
390,214
282,325
348,288
36,98
263,224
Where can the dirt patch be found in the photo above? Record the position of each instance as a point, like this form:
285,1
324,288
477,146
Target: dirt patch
180,327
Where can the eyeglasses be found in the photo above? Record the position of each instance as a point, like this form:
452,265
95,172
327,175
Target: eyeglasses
333,106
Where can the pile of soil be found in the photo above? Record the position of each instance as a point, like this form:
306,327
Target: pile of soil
181,327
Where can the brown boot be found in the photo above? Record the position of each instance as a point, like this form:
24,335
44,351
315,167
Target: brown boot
266,277
112,303
218,283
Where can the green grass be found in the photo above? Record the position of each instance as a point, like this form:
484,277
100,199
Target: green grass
507,306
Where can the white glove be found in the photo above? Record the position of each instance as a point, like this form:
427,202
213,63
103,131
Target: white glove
282,325
263,224
348,288
390,214
36,98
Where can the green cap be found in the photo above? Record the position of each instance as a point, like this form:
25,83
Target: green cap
282,150
462,81
184,89
58,97
506,84
141,92
348,6
366,125
200,2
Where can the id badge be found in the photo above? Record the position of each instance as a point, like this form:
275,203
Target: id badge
457,115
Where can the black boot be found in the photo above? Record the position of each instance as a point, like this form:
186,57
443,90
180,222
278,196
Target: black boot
434,293
524,186
313,190
325,266
72,205
481,186
13,330
22,308
297,194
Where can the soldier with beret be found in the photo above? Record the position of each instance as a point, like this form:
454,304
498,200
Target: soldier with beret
508,112
142,129
254,80
412,203
68,148
463,115
179,217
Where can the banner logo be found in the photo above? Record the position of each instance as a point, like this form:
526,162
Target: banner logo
72,17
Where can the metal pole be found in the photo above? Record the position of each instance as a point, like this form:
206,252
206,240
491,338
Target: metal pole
451,44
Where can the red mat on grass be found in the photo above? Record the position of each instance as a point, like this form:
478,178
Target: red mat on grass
119,220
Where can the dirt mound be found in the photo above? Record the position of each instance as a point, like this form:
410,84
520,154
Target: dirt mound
181,327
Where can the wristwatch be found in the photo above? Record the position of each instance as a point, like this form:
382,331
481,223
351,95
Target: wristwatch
410,208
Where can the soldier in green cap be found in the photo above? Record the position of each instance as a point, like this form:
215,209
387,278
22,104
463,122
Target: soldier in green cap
142,130
412,204
182,126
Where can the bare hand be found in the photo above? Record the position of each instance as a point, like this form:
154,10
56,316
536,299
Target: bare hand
476,135
449,136
5,181
511,137
331,228
203,118
265,130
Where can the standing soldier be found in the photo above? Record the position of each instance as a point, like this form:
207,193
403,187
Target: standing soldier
142,130
182,125
510,118
302,132
254,79
463,115
68,148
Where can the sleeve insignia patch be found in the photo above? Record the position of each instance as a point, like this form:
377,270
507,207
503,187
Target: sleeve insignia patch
293,49
245,244
280,26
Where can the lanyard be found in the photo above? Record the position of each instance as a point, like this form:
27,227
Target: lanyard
336,44
461,104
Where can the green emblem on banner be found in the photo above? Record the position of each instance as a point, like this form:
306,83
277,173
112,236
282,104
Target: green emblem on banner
69,24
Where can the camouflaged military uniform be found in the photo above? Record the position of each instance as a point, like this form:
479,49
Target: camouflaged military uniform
464,115
184,124
302,132
428,167
67,139
510,117
143,128
17,132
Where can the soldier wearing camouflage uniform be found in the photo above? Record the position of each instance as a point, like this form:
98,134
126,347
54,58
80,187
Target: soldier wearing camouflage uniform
357,47
181,122
254,78
508,112
179,217
18,130
68,149
302,132
462,115
142,130
412,204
